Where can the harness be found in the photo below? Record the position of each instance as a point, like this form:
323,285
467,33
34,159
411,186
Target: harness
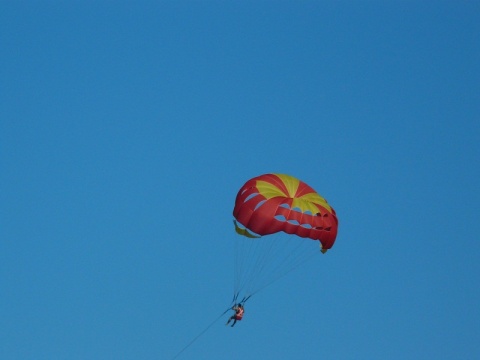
239,314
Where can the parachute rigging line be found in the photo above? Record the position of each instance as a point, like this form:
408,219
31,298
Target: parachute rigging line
262,262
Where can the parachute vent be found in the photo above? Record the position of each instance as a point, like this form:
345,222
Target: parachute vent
249,197
260,204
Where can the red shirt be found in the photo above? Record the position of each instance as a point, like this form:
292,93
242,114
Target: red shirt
239,313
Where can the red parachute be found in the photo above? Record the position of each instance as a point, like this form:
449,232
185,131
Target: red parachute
270,204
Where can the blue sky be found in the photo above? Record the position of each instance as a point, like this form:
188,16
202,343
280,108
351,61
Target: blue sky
127,128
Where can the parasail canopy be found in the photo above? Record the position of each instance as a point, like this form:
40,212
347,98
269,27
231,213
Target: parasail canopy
272,203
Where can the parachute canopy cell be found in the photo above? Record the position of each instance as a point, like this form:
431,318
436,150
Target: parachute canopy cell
271,203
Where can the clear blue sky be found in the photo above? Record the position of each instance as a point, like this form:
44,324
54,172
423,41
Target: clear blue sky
126,129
